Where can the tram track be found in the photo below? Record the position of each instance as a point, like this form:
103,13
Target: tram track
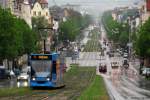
75,84
73,97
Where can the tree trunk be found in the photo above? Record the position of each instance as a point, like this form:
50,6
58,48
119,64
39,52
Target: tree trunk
8,64
147,62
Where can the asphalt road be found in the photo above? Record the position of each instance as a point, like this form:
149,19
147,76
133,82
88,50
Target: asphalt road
6,83
124,81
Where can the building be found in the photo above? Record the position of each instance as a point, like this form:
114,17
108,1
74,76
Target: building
3,3
75,7
26,9
145,10
26,12
6,4
40,8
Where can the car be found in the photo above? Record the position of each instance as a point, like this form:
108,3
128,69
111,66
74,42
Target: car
117,50
17,72
4,74
102,68
146,72
126,63
111,54
114,64
23,80
7,74
125,55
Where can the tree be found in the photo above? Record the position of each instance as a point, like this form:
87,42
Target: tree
16,37
9,44
118,32
39,22
123,39
143,40
70,29
29,38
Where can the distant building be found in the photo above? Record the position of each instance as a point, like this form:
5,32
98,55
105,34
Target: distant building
26,9
145,10
26,12
148,5
6,4
3,3
40,8
72,6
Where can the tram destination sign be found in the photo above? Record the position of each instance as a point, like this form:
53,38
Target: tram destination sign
41,57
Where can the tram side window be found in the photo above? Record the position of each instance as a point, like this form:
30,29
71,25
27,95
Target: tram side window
54,67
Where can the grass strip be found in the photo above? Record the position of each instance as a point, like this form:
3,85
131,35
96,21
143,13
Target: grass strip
96,91
14,91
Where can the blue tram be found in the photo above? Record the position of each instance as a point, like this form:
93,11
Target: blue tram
46,70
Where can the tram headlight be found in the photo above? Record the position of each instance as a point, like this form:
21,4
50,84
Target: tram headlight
47,79
33,79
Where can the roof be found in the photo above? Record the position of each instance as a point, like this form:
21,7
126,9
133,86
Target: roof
43,1
133,13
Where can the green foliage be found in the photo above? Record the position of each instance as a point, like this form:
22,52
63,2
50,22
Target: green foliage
96,90
143,40
29,38
70,29
118,32
39,22
8,92
123,38
16,37
93,45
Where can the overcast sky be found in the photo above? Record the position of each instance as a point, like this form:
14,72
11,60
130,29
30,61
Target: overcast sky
95,5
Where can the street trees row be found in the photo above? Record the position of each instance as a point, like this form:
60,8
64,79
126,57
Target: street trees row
16,37
142,44
71,28
140,39
118,32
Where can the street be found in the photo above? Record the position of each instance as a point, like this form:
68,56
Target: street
74,50
125,82
8,83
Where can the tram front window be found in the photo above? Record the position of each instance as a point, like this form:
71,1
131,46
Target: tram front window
40,68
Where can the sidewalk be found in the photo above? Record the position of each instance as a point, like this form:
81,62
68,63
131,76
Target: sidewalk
112,91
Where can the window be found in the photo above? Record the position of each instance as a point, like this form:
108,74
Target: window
39,13
46,13
34,13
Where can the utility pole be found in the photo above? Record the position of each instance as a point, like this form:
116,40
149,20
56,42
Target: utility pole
129,44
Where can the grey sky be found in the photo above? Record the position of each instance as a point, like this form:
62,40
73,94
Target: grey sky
95,6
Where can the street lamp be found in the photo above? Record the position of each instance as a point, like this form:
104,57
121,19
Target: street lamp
44,33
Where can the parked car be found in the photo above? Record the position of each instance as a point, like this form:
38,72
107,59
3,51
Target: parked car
146,72
141,70
126,63
125,55
111,54
4,74
17,72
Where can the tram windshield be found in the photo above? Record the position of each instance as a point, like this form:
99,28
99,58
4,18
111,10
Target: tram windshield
41,68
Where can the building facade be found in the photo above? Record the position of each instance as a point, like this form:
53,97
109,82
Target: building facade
40,8
145,9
